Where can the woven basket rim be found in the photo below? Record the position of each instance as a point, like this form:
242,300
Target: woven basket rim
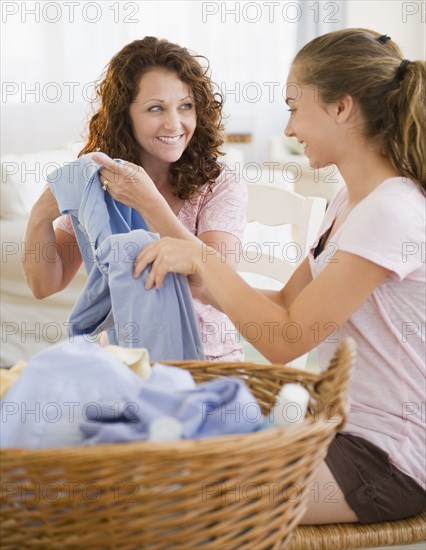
210,445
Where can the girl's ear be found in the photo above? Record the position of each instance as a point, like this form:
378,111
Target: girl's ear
344,108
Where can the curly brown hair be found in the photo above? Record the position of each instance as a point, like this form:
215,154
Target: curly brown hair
110,128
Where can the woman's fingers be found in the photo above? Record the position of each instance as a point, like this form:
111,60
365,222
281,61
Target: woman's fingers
144,258
107,162
109,176
102,158
118,176
115,166
156,275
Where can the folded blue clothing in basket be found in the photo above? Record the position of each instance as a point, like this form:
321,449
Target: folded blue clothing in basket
217,407
76,393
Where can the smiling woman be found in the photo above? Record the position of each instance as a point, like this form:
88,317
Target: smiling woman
156,111
163,118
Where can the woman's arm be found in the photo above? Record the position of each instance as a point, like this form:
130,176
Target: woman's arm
324,305
51,258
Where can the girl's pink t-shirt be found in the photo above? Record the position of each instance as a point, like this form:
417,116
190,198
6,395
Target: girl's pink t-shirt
222,208
388,387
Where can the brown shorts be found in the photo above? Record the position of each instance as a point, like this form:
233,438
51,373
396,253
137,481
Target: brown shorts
373,487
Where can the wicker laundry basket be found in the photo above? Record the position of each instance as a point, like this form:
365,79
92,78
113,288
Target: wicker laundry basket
228,492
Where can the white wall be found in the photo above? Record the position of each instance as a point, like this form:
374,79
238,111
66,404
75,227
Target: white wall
404,21
52,54
250,52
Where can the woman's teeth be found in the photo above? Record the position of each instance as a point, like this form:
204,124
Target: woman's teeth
169,139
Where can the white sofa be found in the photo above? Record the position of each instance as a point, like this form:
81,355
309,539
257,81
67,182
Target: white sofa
28,325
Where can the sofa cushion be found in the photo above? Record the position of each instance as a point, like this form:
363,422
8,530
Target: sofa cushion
29,325
11,206
24,176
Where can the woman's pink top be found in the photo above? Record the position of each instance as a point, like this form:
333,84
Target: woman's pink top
223,208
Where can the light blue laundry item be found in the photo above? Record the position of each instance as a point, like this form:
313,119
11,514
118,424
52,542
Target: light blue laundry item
173,378
76,393
163,320
218,407
50,400
94,213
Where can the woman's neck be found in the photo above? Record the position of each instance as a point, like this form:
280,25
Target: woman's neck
158,171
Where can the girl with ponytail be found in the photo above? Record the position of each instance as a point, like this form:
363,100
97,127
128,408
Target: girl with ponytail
389,90
355,102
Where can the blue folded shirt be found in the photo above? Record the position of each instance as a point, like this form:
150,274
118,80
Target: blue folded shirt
76,393
217,407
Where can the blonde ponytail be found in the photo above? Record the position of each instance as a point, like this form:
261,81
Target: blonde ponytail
405,139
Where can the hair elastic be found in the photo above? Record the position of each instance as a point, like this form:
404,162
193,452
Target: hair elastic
402,69
384,38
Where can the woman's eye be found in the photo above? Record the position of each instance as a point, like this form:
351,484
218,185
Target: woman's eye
187,106
155,109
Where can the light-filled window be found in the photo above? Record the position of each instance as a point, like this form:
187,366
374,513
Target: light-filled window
53,51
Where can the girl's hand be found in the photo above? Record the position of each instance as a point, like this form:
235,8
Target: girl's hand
171,255
127,182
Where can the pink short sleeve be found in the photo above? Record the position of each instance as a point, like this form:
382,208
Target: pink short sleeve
224,207
64,223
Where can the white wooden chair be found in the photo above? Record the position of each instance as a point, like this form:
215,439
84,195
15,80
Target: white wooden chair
294,221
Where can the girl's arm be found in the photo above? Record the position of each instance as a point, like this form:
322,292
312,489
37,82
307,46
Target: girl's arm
287,331
131,185
284,297
294,286
50,258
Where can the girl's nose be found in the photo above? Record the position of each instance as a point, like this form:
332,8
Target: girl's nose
288,130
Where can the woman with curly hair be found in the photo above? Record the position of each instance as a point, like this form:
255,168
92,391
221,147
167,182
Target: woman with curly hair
158,112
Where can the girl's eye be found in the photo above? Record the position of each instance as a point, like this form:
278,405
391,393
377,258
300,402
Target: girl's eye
187,106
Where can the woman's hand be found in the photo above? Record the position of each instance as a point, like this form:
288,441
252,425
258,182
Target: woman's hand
127,182
171,255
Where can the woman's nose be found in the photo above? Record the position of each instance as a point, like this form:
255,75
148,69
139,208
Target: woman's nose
172,121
